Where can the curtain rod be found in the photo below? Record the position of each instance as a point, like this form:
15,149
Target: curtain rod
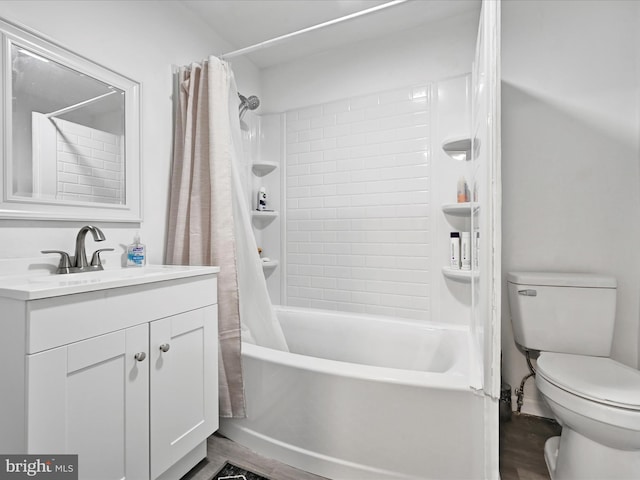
268,43
78,105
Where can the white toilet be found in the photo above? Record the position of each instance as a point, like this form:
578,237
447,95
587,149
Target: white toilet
569,319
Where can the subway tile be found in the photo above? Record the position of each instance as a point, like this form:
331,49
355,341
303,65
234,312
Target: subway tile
301,147
67,177
323,167
294,170
324,304
352,284
313,202
349,141
338,295
369,219
88,142
366,126
311,270
336,131
322,213
298,192
350,164
337,272
325,144
338,201
310,112
310,248
364,101
350,188
102,155
337,225
337,248
310,157
324,282
337,154
105,137
308,135
312,293
350,307
365,297
349,117
351,260
335,107
323,259
323,121
394,96
298,125
293,137
323,190
311,180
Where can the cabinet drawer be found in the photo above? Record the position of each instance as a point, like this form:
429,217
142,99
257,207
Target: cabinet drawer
56,321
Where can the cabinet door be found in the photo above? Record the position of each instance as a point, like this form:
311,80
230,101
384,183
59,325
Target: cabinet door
184,381
91,398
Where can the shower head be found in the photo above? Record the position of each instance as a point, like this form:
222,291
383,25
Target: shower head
250,103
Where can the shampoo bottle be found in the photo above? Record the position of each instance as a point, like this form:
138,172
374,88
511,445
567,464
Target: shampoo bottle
136,253
462,190
465,250
262,199
454,251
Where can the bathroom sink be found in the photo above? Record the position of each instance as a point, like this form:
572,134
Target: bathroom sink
36,286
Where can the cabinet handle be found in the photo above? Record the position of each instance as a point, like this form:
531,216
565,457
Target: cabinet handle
164,347
140,356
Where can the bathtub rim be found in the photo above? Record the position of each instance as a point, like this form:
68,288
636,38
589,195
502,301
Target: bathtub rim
455,378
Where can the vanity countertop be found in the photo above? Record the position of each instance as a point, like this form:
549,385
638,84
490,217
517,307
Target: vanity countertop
37,286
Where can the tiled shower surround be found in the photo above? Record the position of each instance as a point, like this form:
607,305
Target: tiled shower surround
357,212
90,166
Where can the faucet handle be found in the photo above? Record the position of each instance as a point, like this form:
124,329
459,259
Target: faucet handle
96,261
65,262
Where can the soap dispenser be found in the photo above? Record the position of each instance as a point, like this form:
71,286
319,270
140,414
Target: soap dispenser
136,253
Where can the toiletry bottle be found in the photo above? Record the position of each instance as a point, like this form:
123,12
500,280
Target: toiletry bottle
465,250
454,251
462,190
136,253
262,199
476,249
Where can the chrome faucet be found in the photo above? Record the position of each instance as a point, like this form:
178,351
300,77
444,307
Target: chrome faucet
79,262
80,256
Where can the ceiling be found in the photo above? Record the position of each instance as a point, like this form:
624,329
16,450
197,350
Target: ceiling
247,22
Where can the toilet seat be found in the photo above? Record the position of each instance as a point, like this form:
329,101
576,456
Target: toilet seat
598,379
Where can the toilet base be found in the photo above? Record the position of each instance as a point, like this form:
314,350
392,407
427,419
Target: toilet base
551,455
573,456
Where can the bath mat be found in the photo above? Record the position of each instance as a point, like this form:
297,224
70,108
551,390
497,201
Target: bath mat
233,472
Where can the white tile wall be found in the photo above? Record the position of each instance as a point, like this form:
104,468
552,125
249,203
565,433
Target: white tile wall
90,166
358,204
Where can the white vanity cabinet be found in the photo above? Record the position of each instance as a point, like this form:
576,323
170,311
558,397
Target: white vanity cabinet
125,377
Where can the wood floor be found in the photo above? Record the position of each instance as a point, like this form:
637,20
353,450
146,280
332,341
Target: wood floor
522,447
521,454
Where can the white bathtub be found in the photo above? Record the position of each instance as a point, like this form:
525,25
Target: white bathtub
363,397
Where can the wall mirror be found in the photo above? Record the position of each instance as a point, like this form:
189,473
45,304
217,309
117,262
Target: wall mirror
71,133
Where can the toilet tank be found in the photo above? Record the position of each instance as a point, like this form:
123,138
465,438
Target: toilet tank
563,312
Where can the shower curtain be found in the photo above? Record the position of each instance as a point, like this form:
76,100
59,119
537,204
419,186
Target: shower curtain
206,195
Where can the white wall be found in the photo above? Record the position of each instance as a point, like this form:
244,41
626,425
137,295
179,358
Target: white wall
141,40
570,149
427,53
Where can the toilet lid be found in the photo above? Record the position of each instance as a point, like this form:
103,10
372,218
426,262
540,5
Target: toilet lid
596,378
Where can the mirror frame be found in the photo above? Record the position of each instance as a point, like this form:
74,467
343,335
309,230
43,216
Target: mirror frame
15,207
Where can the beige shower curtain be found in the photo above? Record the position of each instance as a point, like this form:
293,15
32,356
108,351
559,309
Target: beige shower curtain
201,229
